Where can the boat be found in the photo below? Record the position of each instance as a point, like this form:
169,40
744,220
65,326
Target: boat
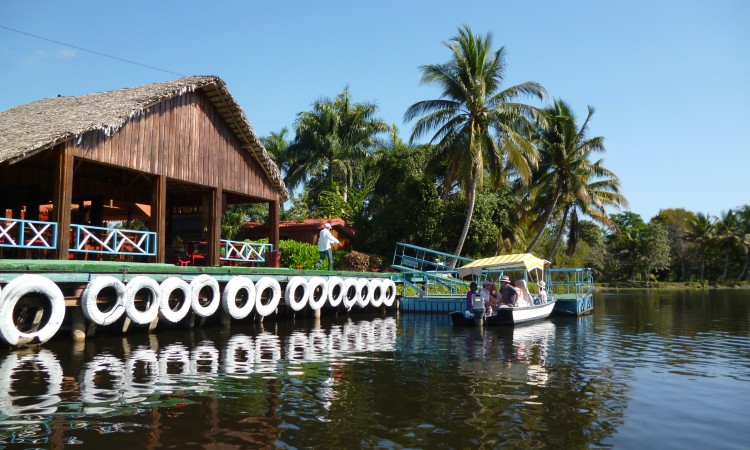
519,266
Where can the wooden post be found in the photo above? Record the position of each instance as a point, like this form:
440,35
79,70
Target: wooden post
214,227
63,198
159,216
273,223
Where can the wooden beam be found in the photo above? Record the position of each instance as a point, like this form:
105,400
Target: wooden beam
62,199
214,227
273,223
159,215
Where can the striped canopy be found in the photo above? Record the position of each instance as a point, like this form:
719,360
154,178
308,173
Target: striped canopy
503,262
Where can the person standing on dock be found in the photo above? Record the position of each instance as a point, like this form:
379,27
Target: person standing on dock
325,242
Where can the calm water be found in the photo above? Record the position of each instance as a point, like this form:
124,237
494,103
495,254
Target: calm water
664,370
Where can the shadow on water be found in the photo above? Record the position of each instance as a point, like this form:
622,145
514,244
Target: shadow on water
619,377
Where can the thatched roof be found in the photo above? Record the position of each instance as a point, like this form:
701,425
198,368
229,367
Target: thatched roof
40,125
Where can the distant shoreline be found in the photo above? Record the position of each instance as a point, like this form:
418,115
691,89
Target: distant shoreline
639,285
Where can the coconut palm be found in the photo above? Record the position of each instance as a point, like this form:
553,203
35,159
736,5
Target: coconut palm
702,232
743,215
478,128
276,144
332,141
568,182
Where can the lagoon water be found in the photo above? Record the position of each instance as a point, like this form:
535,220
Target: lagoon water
668,369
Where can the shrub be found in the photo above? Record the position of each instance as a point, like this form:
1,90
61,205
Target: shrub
295,254
362,262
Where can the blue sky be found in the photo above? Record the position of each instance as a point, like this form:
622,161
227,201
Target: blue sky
668,79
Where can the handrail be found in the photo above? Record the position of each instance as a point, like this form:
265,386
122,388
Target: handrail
241,251
13,233
415,257
112,241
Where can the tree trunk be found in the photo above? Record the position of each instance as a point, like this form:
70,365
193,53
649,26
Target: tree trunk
744,267
547,217
726,267
553,250
469,214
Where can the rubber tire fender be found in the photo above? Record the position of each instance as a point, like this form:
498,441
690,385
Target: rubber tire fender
168,286
378,293
365,297
88,300
389,292
291,288
12,293
260,287
350,283
132,288
332,282
196,286
232,288
314,282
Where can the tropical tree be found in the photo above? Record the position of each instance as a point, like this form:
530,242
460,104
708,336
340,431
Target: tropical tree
276,144
743,215
567,182
702,233
479,129
332,141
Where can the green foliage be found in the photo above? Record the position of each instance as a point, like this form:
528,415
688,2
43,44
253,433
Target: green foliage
295,254
361,262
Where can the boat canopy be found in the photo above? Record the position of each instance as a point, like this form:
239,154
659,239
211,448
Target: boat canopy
503,262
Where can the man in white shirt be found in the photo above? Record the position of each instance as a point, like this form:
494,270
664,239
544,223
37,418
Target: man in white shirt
325,241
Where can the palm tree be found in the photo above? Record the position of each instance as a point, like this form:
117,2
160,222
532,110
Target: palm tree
276,145
332,141
478,127
567,182
702,233
743,215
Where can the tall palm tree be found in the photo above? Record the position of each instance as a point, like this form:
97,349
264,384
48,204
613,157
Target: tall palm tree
567,181
331,141
702,233
743,215
276,144
478,128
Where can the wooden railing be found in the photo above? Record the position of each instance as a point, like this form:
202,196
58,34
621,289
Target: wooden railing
17,233
244,252
112,241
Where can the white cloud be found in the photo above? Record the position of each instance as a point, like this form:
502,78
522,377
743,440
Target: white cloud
40,56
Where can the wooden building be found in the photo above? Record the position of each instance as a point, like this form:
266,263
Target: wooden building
303,231
181,150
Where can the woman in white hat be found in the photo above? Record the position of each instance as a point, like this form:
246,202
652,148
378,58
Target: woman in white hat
542,292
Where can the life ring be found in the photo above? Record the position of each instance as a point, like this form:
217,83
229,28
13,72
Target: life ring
335,295
312,285
91,293
351,292
46,367
196,286
136,285
290,297
376,287
229,297
168,286
365,293
389,292
260,287
13,292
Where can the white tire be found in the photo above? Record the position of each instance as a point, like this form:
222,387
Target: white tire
196,286
335,286
136,285
13,292
229,297
351,292
365,293
168,286
389,292
260,287
290,298
376,287
90,294
317,302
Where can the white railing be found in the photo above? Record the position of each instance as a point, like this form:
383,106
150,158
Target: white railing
244,251
112,241
17,233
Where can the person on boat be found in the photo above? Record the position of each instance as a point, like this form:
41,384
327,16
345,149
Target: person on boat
508,293
471,296
489,295
325,244
542,292
524,296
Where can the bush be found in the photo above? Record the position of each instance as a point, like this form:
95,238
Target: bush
295,254
362,262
